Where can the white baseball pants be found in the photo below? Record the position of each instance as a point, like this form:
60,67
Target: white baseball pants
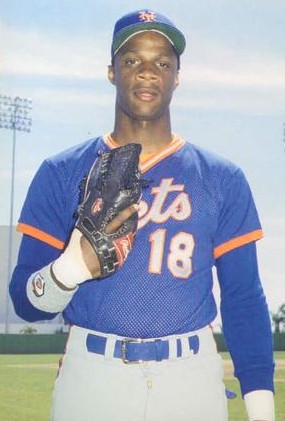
93,387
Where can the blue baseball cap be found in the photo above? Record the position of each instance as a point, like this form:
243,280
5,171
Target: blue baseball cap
146,20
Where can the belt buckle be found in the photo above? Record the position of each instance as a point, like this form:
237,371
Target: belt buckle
125,343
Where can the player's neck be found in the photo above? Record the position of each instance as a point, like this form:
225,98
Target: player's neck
151,135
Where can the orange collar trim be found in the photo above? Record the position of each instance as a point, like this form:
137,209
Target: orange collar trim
147,161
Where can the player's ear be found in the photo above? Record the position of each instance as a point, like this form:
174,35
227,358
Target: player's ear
111,74
176,80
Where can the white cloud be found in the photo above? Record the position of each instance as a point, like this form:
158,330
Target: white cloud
74,96
213,76
208,62
220,64
35,53
250,101
240,73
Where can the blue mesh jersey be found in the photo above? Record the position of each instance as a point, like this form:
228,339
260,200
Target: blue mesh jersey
197,207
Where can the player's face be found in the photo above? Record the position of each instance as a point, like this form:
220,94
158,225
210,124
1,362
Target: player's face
145,73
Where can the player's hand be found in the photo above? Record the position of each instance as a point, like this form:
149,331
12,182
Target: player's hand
90,258
79,262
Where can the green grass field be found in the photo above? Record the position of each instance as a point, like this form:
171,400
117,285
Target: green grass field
27,382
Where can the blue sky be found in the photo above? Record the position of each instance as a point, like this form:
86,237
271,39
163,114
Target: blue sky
231,98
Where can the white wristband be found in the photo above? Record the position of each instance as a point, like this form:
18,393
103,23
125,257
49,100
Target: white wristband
260,405
44,294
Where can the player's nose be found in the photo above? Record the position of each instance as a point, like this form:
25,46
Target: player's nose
147,71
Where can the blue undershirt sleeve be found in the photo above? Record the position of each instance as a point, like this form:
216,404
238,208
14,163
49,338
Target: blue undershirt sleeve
245,318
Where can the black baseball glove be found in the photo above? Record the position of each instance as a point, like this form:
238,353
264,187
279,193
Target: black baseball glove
113,184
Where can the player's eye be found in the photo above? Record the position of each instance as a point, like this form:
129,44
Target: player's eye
164,64
130,61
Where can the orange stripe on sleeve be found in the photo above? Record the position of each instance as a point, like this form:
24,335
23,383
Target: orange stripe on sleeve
40,235
237,242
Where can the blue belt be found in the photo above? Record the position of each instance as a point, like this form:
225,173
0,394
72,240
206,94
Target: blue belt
133,351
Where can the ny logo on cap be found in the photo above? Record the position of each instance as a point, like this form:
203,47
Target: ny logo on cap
147,16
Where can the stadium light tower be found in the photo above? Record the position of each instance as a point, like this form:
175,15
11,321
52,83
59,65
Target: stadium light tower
14,115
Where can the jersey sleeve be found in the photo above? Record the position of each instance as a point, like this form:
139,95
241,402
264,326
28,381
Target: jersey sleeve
43,215
238,222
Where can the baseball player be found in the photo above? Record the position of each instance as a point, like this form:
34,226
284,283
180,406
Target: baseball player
140,344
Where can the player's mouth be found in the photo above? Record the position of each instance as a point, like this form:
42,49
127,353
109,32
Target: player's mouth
146,94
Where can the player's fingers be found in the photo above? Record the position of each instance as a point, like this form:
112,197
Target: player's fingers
121,218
